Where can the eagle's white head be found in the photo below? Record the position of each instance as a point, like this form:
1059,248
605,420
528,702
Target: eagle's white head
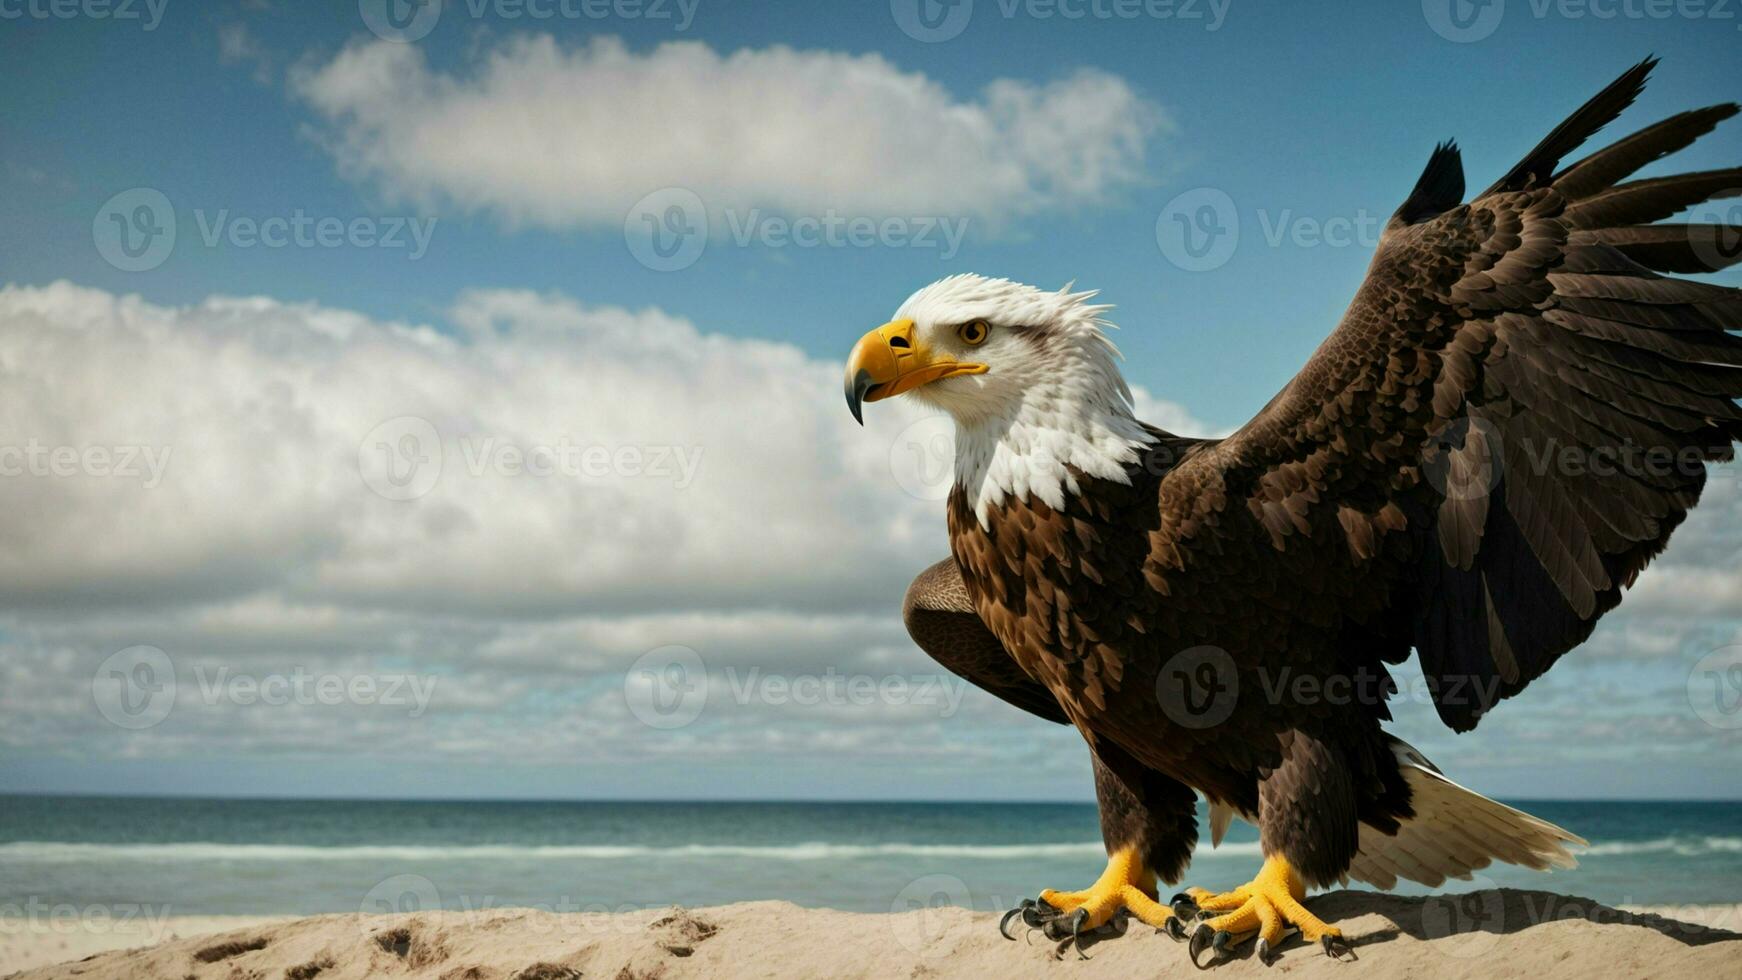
1029,376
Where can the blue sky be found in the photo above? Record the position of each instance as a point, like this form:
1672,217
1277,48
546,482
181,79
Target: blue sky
1312,121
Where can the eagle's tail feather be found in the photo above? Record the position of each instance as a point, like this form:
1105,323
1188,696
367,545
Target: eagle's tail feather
1455,832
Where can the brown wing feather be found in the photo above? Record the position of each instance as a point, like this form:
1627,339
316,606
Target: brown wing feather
1512,417
941,619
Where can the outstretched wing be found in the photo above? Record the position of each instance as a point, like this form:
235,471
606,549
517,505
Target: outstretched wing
1513,415
941,619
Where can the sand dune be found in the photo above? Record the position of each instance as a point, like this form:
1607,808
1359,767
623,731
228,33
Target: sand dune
1484,934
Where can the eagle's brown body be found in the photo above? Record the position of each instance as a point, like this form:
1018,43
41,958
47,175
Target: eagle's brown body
1414,487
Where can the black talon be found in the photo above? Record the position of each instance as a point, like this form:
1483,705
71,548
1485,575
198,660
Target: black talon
1004,923
1175,931
1201,939
1055,930
1184,906
1060,927
1037,912
1336,947
1262,950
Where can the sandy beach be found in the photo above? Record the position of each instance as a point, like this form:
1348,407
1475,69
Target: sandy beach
1498,933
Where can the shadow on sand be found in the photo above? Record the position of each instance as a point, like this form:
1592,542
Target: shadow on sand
1471,921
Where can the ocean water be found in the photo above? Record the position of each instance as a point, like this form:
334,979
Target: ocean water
188,857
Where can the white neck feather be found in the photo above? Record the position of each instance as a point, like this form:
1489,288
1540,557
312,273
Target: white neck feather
1030,453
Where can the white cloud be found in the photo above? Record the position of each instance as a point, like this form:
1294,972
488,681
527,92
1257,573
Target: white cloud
558,137
739,456
261,548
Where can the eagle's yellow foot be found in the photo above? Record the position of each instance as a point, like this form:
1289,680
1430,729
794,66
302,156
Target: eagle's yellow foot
1267,906
1126,886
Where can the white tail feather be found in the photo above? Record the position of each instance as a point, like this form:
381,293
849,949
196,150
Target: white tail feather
1454,832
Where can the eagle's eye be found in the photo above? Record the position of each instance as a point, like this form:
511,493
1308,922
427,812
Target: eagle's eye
974,332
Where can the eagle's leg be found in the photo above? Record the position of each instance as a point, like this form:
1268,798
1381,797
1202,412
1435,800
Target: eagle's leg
1309,833
1148,825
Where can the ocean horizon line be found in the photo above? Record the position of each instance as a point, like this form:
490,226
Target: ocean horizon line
745,801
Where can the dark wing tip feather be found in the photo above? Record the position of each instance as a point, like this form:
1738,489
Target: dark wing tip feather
1540,163
1439,188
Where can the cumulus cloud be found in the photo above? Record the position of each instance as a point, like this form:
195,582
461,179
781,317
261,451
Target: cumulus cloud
215,481
575,457
542,134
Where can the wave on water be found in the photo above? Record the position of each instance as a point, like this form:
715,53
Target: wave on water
1680,846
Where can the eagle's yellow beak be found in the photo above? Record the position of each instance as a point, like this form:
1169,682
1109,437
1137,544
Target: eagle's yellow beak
890,360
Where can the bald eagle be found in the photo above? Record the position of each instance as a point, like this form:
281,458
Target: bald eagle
1216,617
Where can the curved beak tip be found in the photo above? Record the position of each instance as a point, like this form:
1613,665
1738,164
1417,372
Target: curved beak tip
857,385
